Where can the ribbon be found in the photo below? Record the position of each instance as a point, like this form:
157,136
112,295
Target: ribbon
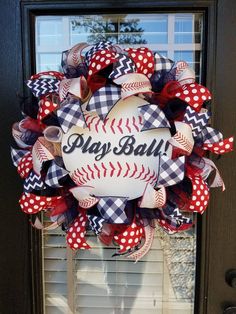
75,86
197,121
112,209
70,114
42,151
54,174
143,59
221,147
75,236
122,66
194,95
132,84
32,204
103,100
153,198
129,238
171,171
154,117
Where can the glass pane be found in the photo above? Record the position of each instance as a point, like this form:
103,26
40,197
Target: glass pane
49,61
126,29
187,29
93,281
48,31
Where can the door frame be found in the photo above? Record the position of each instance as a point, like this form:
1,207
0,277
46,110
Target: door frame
31,10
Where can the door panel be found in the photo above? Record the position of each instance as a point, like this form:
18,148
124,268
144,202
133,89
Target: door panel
171,265
20,274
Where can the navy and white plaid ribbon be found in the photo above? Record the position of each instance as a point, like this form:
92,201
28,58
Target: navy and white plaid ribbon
17,155
211,135
124,65
104,99
197,121
171,171
162,63
112,209
43,86
54,174
154,117
70,114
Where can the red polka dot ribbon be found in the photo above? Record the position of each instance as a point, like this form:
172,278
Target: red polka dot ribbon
100,60
47,105
200,195
130,238
143,59
222,147
194,95
76,235
53,74
25,166
32,204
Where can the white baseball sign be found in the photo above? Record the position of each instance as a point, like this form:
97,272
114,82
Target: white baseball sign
115,157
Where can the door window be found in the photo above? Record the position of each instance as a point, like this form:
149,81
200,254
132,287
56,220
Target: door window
93,281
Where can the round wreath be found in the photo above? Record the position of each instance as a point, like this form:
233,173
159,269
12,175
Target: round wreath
98,89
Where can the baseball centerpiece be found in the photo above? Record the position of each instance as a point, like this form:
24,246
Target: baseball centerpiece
116,145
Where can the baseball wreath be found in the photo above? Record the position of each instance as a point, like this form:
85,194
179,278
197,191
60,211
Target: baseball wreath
116,144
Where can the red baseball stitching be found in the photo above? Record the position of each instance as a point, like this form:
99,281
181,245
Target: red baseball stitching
181,66
65,89
39,152
134,85
75,57
159,198
181,139
116,125
88,202
89,172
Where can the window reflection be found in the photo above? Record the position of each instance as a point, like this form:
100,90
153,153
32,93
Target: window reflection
176,36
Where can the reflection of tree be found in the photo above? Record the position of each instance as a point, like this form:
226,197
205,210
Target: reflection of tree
117,30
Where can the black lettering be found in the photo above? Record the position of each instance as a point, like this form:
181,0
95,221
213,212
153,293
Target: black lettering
155,151
86,147
106,148
74,141
126,145
140,150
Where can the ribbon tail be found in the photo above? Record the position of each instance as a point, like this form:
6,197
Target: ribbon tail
149,236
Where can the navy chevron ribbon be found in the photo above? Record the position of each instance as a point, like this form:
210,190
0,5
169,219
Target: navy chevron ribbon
33,182
96,223
124,65
43,86
197,121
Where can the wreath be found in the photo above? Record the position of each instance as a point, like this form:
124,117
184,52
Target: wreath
117,144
